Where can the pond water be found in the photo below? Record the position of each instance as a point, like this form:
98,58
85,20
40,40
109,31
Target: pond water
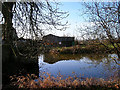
98,66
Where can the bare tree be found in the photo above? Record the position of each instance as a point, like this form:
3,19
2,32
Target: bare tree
106,25
30,19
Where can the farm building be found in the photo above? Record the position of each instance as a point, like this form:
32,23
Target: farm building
58,41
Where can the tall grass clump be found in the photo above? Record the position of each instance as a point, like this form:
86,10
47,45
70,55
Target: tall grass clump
33,82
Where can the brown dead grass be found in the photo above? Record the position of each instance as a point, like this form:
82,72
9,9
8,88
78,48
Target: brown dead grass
58,82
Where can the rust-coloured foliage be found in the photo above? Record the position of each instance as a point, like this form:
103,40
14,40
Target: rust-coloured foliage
59,82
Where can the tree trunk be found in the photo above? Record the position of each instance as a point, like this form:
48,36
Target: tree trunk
8,26
7,31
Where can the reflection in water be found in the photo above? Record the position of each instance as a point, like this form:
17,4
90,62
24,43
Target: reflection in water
84,67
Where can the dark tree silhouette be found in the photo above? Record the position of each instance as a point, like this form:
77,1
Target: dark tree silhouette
30,19
104,16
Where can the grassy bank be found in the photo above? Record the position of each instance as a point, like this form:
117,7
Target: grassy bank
51,82
78,49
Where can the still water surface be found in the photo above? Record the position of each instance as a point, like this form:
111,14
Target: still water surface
98,66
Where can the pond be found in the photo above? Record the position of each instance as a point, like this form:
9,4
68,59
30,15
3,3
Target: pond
87,65
81,65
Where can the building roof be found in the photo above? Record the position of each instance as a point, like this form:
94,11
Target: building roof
57,36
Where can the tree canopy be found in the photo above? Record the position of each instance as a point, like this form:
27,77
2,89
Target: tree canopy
105,19
30,19
33,18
